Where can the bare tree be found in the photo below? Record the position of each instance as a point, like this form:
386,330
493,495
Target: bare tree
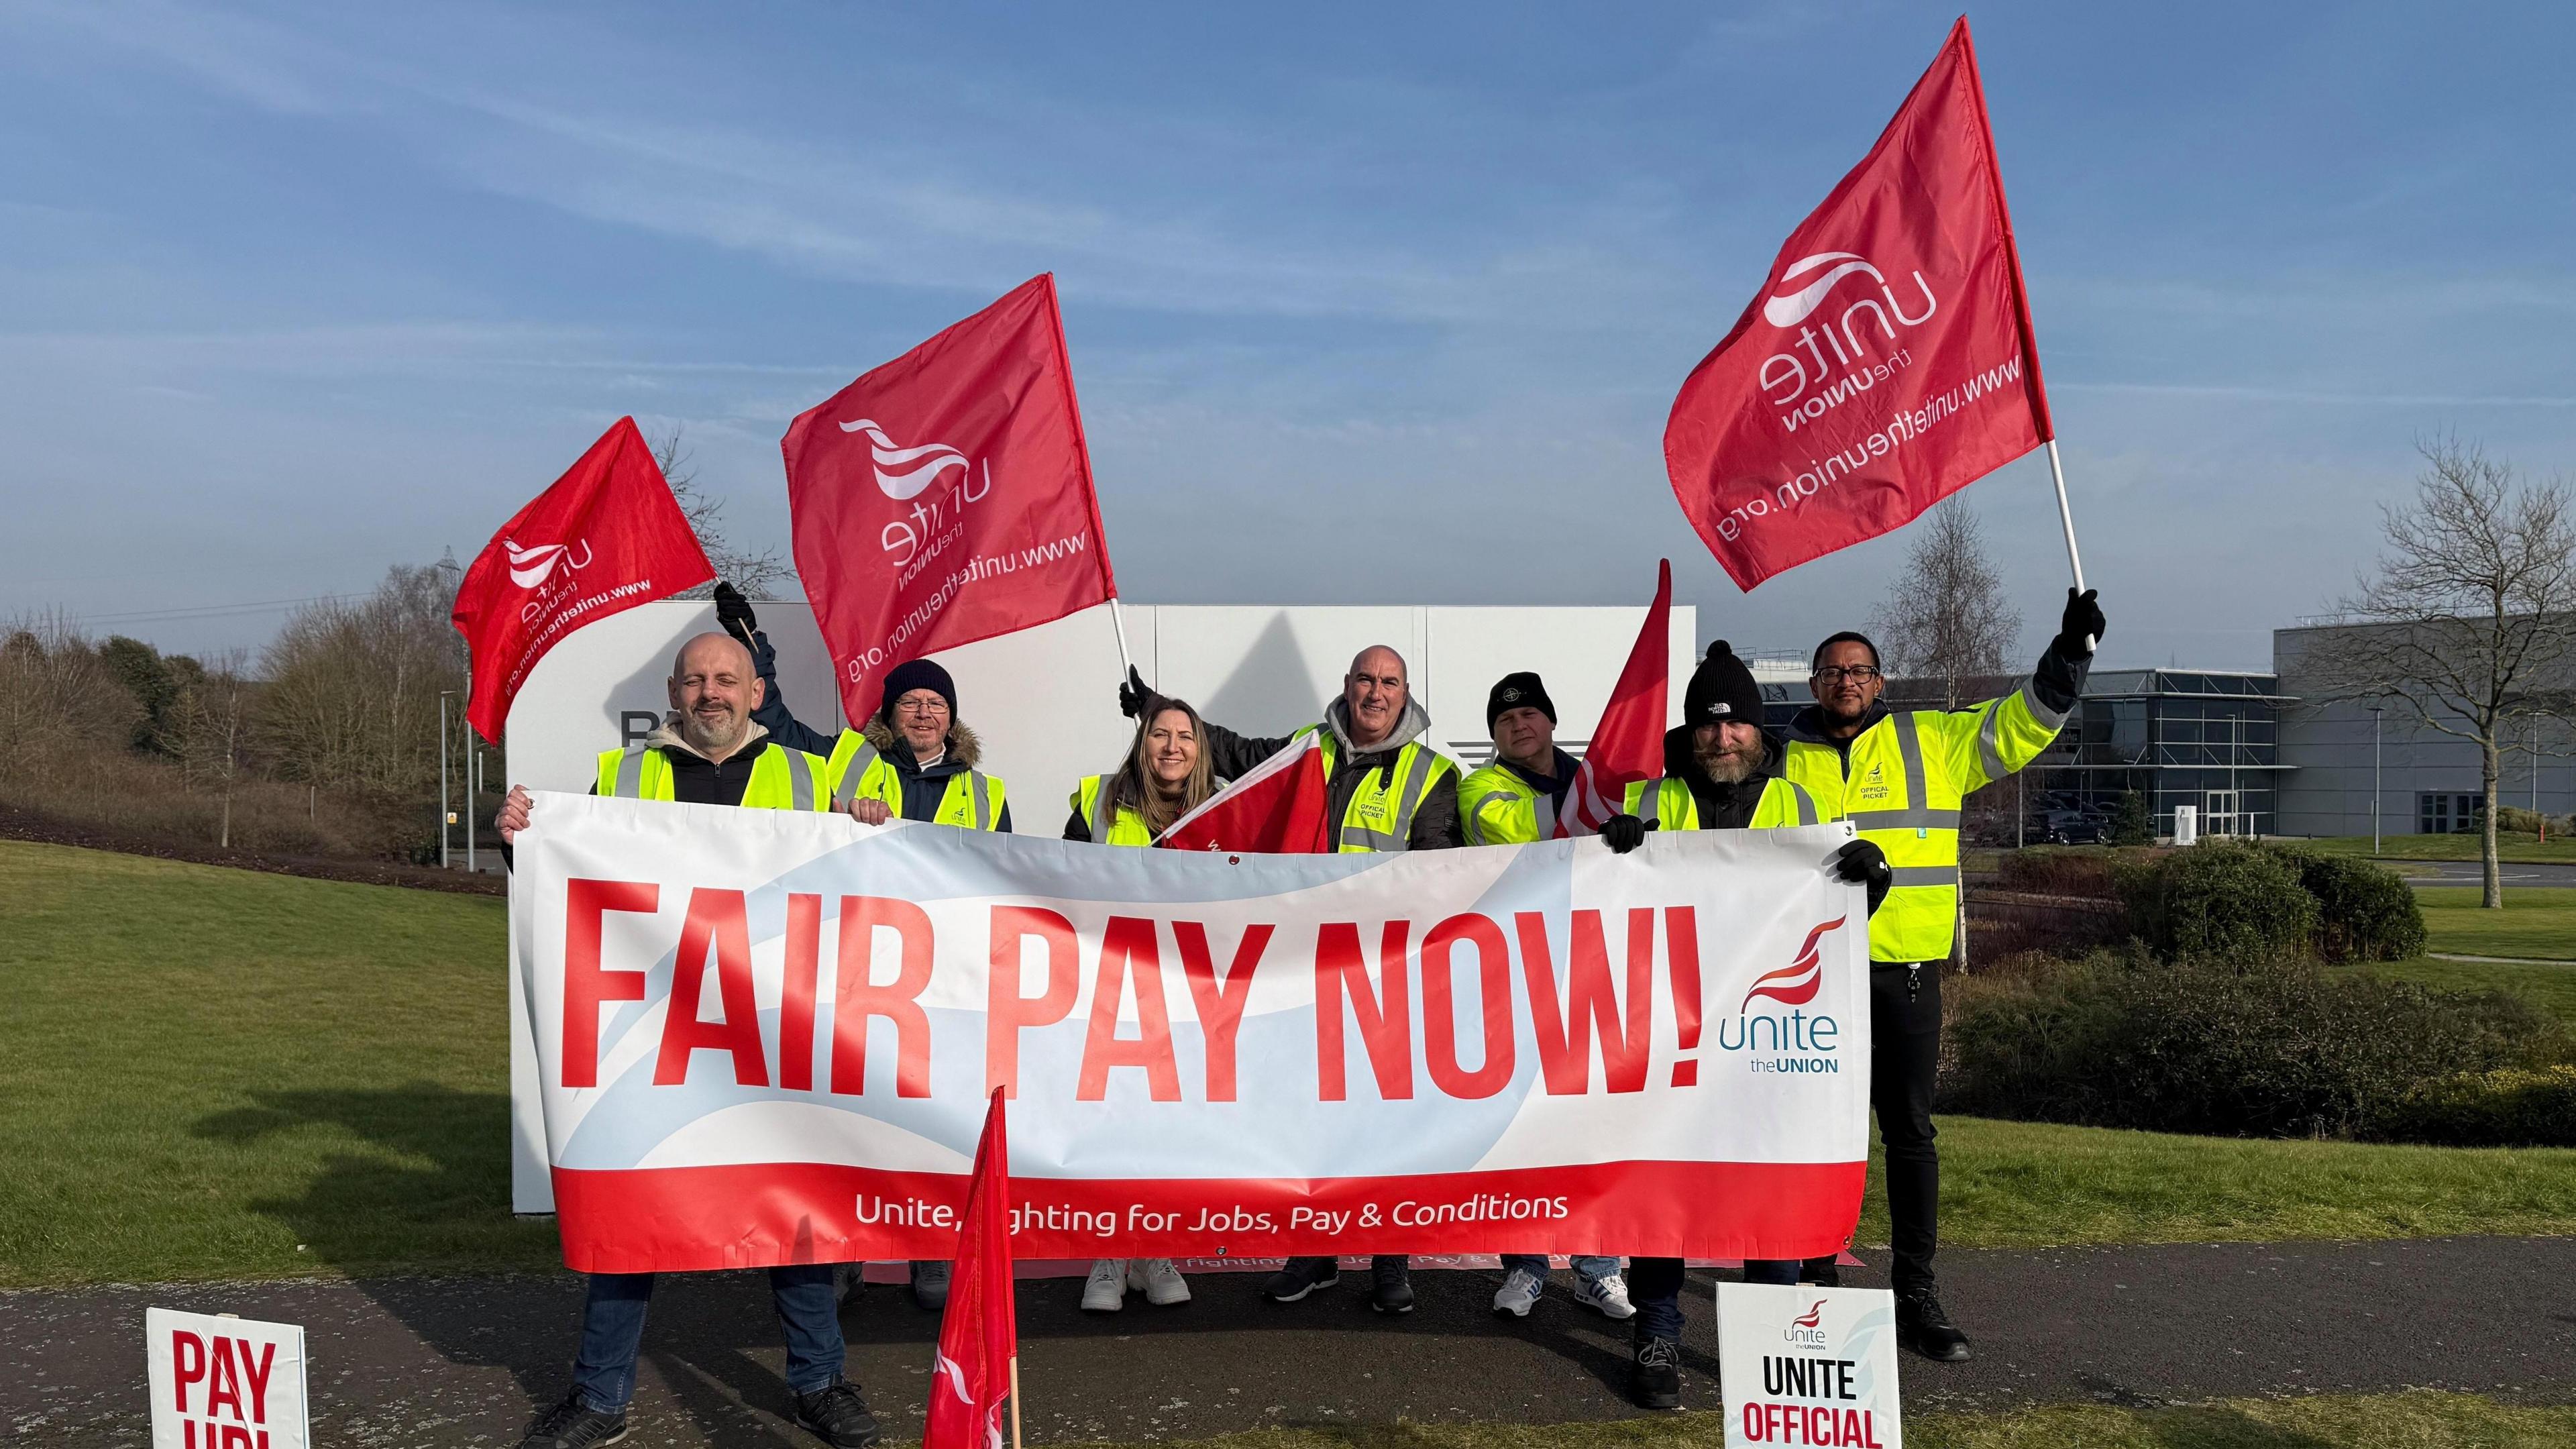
756,574
206,728
2470,622
1945,617
352,698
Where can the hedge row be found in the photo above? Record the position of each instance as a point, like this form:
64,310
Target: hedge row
2279,1048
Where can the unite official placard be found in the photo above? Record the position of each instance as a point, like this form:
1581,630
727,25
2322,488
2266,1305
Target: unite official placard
1813,1368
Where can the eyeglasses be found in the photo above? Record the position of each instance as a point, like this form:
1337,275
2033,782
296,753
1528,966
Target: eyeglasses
1856,673
921,704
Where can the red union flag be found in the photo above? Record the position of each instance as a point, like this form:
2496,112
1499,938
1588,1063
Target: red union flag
946,496
606,537
1628,744
979,1333
1886,364
1277,808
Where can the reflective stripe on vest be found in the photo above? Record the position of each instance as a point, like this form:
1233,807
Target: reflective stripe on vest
1126,828
781,778
1781,800
1417,769
1512,791
972,800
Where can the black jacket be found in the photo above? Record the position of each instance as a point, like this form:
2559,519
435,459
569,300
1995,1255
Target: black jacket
1435,822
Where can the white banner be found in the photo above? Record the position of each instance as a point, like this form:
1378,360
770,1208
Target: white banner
767,1037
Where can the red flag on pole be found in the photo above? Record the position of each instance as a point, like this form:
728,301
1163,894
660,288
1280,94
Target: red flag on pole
979,1332
606,537
946,496
1628,744
1887,363
1277,808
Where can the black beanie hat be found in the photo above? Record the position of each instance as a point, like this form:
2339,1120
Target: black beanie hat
1517,691
915,674
1721,689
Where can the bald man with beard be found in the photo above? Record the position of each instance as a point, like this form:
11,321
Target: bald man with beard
708,752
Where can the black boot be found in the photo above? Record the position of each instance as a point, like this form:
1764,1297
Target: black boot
837,1413
1824,1272
1655,1377
1301,1276
1390,1285
1924,1328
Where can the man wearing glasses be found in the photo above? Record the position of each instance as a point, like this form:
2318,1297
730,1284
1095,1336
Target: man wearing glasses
1900,778
914,760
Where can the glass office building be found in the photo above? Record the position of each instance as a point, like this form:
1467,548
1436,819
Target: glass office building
2205,738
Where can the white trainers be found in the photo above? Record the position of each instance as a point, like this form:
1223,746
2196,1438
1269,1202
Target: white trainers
1606,1295
1520,1289
1160,1282
1106,1292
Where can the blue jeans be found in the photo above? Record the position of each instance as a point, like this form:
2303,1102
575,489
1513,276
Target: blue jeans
1655,1286
612,1331
1585,1268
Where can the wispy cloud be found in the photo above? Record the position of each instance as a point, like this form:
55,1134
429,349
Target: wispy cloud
2235,392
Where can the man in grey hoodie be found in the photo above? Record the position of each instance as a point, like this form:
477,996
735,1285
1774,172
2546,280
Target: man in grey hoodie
1387,789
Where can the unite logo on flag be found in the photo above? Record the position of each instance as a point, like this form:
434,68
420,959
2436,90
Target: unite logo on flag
530,567
1887,361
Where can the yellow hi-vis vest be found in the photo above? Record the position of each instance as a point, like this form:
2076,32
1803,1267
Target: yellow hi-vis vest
973,799
1128,829
1901,785
781,778
1498,807
1667,804
1380,815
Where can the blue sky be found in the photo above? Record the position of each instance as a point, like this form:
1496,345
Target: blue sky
1367,304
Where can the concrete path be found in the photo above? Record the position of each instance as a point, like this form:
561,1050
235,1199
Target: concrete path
2548,875
460,1361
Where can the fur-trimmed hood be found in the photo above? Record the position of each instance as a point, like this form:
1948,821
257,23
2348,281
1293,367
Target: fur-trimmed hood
965,750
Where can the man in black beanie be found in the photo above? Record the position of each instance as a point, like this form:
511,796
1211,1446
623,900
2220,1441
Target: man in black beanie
1722,771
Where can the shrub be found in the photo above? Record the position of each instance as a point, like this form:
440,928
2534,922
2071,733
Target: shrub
2365,912
2132,823
2226,901
2509,1107
2277,1049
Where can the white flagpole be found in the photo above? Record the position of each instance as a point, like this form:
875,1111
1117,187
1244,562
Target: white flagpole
2066,518
1127,666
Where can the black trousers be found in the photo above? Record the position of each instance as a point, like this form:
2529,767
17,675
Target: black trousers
1904,1056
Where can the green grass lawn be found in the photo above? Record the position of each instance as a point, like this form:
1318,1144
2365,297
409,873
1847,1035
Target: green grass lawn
2535,921
2526,849
2550,987
205,1068
210,1073
2325,1421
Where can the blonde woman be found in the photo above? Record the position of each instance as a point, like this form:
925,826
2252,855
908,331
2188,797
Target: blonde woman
1165,777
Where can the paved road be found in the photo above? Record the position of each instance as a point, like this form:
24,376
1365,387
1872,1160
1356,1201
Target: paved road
457,1361
2470,873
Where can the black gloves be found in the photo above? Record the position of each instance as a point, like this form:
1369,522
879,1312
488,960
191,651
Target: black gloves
1862,862
2081,629
1133,695
1623,833
733,612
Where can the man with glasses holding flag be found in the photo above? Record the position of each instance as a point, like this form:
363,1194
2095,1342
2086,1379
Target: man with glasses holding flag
1900,778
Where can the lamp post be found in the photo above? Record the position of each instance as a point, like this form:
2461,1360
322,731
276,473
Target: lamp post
2374,780
445,815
